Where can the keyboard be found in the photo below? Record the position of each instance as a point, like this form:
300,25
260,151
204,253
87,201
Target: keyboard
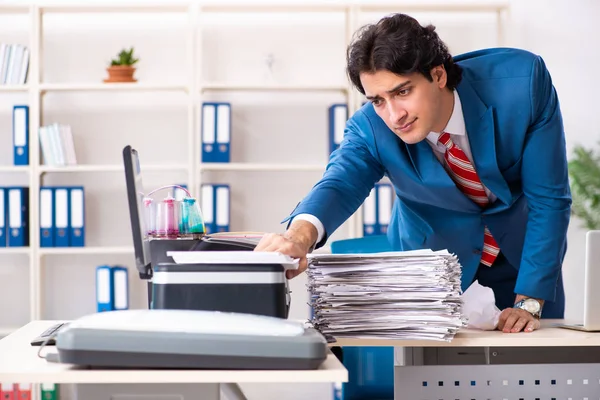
38,341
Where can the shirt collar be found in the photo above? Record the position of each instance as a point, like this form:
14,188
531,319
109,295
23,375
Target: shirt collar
456,124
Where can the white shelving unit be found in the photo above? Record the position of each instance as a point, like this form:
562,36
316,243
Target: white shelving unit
88,250
196,91
91,87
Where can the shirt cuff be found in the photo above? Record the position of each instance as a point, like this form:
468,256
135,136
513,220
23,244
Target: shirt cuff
315,221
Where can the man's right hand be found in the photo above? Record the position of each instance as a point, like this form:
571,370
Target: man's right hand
295,242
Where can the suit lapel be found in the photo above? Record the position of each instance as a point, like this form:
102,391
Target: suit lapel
433,175
479,122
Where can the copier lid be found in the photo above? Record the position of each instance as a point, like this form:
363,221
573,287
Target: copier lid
234,257
190,321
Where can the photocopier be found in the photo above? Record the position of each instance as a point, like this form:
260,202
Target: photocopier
213,302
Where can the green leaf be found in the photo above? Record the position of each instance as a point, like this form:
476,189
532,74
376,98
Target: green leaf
584,174
125,57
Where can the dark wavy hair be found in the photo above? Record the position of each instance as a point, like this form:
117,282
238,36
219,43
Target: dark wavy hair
400,44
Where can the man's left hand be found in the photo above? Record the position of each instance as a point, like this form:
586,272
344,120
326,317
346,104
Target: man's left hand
514,320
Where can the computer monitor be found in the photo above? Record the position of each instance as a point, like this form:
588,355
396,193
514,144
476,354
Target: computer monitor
591,294
135,196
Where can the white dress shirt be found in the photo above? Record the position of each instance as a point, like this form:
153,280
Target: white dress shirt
458,133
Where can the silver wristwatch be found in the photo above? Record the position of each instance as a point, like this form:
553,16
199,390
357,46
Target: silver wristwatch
532,306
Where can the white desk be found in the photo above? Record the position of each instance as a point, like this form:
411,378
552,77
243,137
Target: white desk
19,362
549,335
536,374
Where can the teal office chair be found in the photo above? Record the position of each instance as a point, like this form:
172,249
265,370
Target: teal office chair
370,369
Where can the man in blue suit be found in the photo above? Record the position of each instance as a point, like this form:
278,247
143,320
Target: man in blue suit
493,114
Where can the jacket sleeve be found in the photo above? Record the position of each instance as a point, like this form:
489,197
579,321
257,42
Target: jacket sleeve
351,173
545,181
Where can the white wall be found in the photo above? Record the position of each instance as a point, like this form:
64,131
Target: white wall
270,127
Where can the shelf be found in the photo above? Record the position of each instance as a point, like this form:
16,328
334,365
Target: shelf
49,251
14,8
14,168
260,167
109,168
435,7
15,250
100,86
273,7
224,86
13,88
95,7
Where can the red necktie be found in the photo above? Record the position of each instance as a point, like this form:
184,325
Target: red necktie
465,177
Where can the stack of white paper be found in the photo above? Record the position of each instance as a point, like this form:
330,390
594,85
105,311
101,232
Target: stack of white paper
412,295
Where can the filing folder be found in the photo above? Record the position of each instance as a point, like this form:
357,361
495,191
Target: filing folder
120,289
49,391
23,391
384,206
338,115
222,211
377,210
104,288
216,132
47,217
112,288
3,214
370,214
61,221
77,216
208,208
18,216
216,207
20,126
7,391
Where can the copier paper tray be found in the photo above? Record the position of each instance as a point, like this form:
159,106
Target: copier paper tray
189,339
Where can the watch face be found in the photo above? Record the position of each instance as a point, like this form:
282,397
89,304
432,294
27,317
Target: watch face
531,305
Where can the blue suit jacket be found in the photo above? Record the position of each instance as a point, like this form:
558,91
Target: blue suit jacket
515,130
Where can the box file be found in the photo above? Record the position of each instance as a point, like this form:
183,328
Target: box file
20,127
112,288
61,210
222,212
216,132
18,216
384,206
47,217
3,214
62,216
49,391
338,115
7,391
104,288
377,210
370,214
77,216
216,207
23,391
120,289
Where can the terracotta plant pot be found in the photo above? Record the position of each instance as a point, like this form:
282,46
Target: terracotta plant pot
120,73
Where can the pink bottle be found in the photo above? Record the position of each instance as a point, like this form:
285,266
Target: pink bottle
168,218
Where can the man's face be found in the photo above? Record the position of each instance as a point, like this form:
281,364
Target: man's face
410,105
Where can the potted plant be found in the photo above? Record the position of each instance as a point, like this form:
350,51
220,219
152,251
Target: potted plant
122,68
584,171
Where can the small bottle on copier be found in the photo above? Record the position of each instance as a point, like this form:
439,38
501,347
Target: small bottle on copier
168,218
191,222
150,216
